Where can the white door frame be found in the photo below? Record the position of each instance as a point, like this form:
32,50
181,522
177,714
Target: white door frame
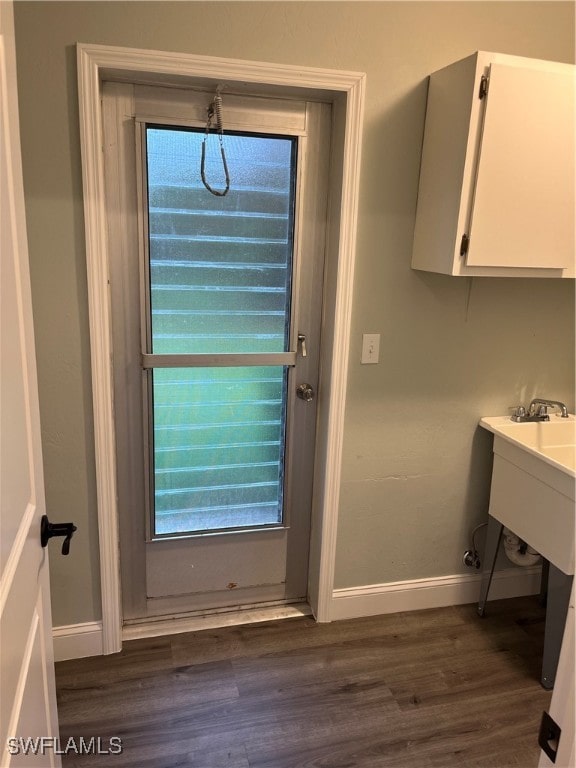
345,90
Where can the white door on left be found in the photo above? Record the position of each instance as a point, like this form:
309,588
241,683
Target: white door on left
28,716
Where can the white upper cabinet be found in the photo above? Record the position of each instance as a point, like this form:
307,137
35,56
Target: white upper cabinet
496,193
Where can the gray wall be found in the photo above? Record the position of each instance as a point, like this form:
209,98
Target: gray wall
416,468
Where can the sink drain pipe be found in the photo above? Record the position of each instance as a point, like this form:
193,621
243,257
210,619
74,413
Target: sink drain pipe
517,551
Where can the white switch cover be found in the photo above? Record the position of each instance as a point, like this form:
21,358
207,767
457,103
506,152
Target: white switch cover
370,348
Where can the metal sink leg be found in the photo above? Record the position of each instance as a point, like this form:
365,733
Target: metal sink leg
493,536
558,599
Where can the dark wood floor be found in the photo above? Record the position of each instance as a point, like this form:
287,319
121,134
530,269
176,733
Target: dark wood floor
429,689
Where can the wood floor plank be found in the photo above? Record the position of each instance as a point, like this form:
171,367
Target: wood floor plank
150,697
137,658
433,689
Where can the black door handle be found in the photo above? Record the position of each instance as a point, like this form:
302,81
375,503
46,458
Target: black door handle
48,530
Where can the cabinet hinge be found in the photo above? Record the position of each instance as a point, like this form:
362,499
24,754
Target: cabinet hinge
483,90
465,242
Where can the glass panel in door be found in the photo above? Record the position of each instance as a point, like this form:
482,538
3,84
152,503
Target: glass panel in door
219,274
218,448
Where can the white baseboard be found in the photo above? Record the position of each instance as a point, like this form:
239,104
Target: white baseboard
419,594
76,641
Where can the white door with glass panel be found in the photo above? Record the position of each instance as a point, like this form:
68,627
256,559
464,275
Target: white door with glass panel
217,302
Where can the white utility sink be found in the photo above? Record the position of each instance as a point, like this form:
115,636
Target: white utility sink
534,483
533,494
553,441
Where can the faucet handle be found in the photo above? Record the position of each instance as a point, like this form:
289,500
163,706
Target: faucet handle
539,409
518,413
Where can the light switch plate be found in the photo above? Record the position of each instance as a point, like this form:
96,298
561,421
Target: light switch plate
370,348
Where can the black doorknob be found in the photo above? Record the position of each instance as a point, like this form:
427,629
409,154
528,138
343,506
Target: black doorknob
48,530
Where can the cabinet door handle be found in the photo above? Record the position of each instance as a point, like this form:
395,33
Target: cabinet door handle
48,530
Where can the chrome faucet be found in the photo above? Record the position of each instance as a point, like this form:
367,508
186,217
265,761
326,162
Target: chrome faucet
544,404
538,410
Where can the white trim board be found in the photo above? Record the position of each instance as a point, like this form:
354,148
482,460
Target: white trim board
76,641
419,594
345,90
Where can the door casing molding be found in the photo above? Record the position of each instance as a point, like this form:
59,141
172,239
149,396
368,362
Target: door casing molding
345,90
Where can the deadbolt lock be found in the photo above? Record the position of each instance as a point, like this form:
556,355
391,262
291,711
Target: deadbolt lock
305,392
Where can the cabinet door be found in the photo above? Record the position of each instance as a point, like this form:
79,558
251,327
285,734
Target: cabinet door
523,209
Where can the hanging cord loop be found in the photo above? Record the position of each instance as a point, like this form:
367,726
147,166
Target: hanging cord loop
215,109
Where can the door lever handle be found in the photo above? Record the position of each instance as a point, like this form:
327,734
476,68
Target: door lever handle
48,530
302,342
